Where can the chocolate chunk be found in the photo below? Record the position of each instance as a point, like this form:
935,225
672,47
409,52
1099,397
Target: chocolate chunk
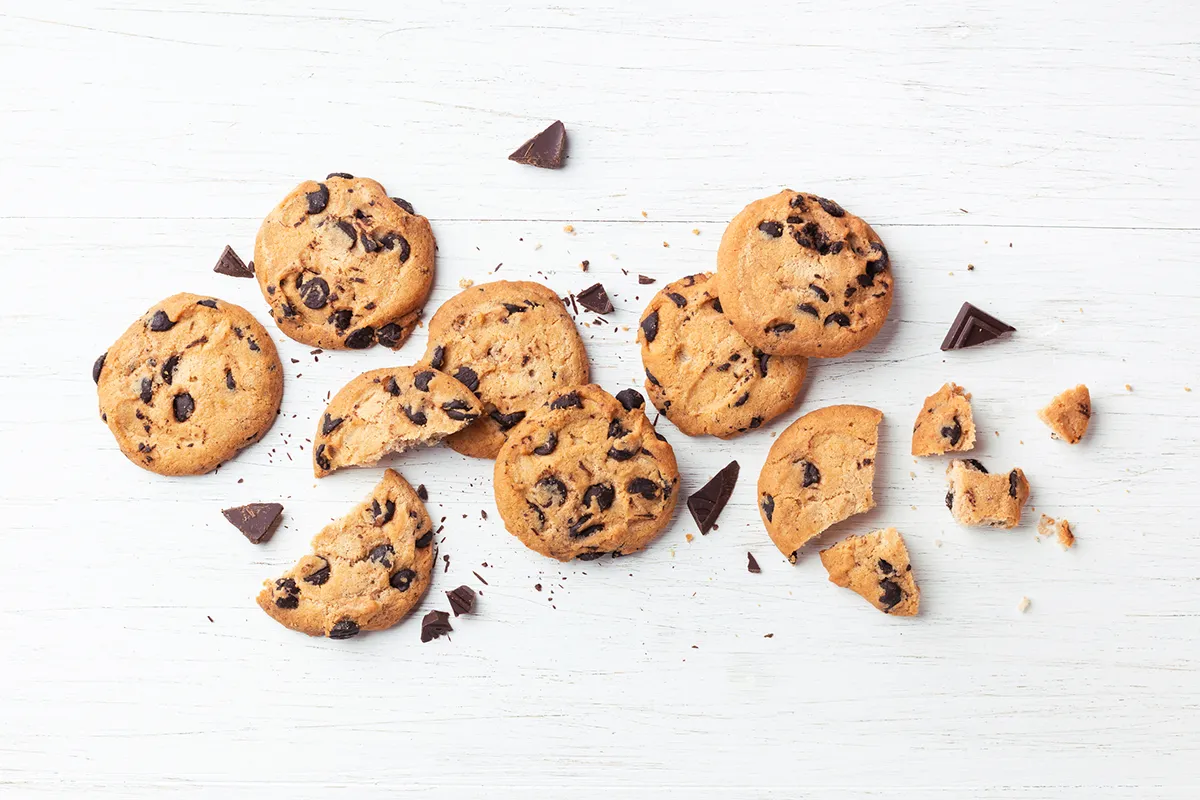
617,454
838,318
780,327
391,387
602,493
548,447
645,279
147,393
950,499
831,208
315,293
891,594
422,492
752,564
160,322
361,338
435,624
593,556
183,405
382,554
615,429
369,244
458,410
407,206
650,326
319,576
741,401
232,265
973,463
403,580
462,600
707,502
168,369
439,357
425,540
886,567
210,303
322,460
98,366
679,300
382,515
1012,483
513,308
717,305
812,475
552,491
630,399
755,422
762,358
579,529
952,432
291,593
973,326
390,335
256,521
772,229
345,175
329,425
421,381
809,308
645,487
348,229
768,506
341,318
819,292
880,264
568,400
467,377
547,150
650,377
507,421
317,200
798,202
595,299
393,240
344,629
415,417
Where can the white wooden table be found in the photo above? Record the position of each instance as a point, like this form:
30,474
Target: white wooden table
1054,146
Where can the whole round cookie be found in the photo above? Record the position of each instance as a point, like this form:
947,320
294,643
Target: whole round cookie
585,475
343,265
189,384
701,373
367,570
514,345
800,276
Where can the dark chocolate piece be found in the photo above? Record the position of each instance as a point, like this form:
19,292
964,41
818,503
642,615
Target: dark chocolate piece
231,264
547,150
462,600
595,299
435,624
973,326
256,521
752,564
707,502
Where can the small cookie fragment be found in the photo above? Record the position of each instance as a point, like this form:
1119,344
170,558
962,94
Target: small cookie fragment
976,497
973,326
876,566
547,149
231,264
707,503
256,521
1023,606
387,411
945,423
818,472
1068,415
1047,525
367,570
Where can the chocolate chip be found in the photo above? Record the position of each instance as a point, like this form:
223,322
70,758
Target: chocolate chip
168,369
593,556
547,149
462,600
645,279
439,357
819,292
725,367
1012,483
393,240
602,493
794,220
838,318
425,540
568,400
579,529
421,381
422,492
317,200
741,401
288,310
513,308
771,228
752,564
369,244
415,417
407,206
617,454
630,399
348,229
458,410
435,624
207,303
768,506
507,421
230,383
679,300
552,491
780,328
763,358
950,499
184,406
880,264
345,175
650,377
344,629
361,338
319,576
98,366
390,335
952,432
329,425
863,281
973,326
232,265
809,308
403,580
595,299
831,208
755,422
315,293
973,463
160,322
341,318
322,461
812,475
256,521
615,429
467,377
650,326
645,487
391,387
811,236
291,593
891,594
382,515
548,447
717,305
886,567
147,393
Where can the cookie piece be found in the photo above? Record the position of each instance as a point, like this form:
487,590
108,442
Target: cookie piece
800,276
514,345
343,265
1068,415
366,572
979,498
818,473
585,475
945,423
701,373
875,566
189,384
389,411
1048,526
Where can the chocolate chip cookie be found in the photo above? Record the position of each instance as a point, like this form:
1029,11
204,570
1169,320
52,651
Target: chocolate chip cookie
945,423
344,266
1068,415
514,345
701,373
189,384
818,472
586,474
800,276
977,497
366,572
876,566
389,411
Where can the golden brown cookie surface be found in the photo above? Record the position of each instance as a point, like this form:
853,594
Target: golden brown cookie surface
1069,414
877,567
976,497
945,423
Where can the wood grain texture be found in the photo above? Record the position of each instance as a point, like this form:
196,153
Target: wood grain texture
1052,146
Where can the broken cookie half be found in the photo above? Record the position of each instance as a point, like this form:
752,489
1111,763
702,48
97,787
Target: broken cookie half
876,566
388,411
367,570
819,472
976,497
945,424
1068,415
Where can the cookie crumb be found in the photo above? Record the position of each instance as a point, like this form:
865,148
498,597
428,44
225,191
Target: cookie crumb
665,244
465,283
569,229
537,246
1187,388
1128,388
912,474
970,267
644,215
689,537
1023,606
583,265
695,231
937,542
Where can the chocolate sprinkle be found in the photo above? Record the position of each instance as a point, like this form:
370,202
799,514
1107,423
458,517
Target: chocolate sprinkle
706,503
256,521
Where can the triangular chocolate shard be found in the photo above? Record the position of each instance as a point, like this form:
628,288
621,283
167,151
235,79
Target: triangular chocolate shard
462,600
595,298
707,503
256,521
973,326
435,624
547,150
231,264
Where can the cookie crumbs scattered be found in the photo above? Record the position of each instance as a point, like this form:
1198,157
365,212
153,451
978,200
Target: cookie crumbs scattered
1023,606
465,283
446,558
569,229
996,432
